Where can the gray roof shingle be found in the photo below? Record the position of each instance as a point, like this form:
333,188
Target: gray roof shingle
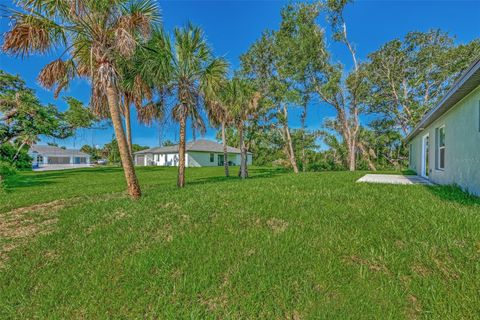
201,145
56,151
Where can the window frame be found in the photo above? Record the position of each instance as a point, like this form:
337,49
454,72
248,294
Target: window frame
212,157
410,154
438,148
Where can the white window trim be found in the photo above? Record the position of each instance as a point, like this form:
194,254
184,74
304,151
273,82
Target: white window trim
424,169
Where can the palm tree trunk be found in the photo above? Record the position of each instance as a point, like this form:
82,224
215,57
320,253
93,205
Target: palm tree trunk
243,173
128,128
225,151
127,162
181,153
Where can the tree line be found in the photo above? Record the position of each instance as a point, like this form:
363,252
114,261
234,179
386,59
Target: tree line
23,119
132,62
294,67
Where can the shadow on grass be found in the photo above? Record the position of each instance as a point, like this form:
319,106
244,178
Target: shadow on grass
41,178
21,181
455,194
254,173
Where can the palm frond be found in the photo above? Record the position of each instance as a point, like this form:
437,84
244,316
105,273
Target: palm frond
141,89
57,74
50,8
151,112
52,73
140,15
213,77
125,42
30,34
154,60
99,103
197,121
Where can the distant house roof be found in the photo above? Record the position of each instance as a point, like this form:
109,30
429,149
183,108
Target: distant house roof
468,81
197,145
56,151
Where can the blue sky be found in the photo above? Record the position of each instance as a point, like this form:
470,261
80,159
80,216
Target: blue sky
232,26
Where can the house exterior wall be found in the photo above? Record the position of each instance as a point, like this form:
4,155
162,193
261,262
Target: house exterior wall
149,159
51,160
238,159
462,146
171,159
192,159
202,159
140,160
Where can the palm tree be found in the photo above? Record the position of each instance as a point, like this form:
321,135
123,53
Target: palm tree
95,35
192,72
133,90
219,116
241,102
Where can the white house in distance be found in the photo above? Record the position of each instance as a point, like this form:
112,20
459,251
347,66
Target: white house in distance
51,157
199,153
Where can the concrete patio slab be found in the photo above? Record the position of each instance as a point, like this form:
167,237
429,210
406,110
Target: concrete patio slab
393,179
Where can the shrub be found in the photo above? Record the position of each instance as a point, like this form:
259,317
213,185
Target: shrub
6,169
7,153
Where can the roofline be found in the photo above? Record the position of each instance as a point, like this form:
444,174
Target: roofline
64,155
239,152
442,107
190,147
72,151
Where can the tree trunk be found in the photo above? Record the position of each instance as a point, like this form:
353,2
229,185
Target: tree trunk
128,128
352,156
127,161
243,173
366,156
181,153
291,153
225,151
304,128
18,151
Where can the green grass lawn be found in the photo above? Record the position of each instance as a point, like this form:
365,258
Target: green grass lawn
316,245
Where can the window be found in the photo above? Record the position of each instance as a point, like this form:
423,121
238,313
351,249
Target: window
440,152
212,157
80,160
58,160
39,159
